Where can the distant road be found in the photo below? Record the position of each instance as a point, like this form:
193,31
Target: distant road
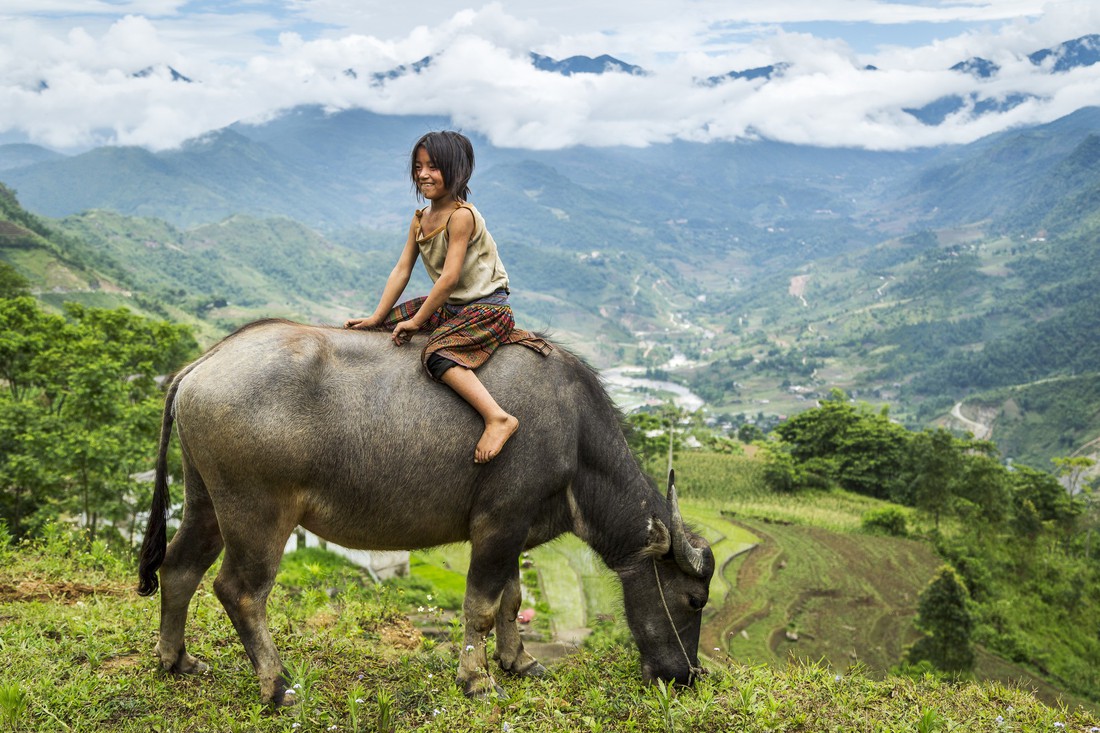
979,430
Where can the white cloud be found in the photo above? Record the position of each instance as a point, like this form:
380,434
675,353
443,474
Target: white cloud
481,75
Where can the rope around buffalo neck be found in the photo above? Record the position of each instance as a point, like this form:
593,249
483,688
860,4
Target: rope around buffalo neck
695,671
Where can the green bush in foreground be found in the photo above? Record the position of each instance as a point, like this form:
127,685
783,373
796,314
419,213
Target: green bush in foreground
78,655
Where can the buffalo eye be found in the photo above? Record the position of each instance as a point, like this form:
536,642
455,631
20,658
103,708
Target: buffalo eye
697,602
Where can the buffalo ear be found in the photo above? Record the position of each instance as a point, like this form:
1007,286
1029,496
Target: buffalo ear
658,539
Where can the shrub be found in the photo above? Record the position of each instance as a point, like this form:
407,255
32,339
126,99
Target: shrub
890,520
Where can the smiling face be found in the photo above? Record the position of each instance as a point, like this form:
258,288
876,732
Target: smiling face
448,155
429,179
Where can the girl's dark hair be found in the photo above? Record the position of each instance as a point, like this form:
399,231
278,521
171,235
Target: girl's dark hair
453,154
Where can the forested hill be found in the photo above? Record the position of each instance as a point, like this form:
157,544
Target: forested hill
759,274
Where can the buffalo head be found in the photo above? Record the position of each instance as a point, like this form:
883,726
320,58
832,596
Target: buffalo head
664,592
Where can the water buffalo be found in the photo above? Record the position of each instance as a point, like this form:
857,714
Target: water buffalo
343,433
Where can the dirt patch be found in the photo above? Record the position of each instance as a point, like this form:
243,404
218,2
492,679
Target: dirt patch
321,620
58,591
121,662
400,633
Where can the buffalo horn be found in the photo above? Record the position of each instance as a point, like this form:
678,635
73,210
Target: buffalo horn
688,556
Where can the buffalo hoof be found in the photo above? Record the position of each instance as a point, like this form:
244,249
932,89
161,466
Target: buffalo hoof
534,669
186,664
483,688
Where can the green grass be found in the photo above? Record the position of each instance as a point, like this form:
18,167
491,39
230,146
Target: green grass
78,655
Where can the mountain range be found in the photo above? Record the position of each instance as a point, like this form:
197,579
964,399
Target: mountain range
757,273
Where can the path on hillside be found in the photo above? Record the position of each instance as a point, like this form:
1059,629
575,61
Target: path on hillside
980,431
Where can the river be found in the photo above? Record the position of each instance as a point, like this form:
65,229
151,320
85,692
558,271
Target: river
630,388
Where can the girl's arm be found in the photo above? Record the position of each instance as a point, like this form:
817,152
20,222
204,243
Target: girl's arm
460,228
395,284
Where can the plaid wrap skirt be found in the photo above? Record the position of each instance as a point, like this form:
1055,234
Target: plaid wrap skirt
467,334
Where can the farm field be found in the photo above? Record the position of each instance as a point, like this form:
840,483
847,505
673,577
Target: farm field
796,579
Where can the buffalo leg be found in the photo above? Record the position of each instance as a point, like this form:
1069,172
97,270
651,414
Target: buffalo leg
493,562
246,577
189,555
510,654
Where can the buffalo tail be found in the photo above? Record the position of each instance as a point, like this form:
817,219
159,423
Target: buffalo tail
156,532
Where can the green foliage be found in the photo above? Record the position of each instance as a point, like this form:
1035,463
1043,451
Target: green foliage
890,520
944,616
80,413
847,445
13,705
12,284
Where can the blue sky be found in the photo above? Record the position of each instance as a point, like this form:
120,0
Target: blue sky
67,67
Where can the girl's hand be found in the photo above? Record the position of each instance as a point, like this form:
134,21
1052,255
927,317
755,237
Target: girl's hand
361,323
403,331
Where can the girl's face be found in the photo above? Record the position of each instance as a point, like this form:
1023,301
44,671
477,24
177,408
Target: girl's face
429,179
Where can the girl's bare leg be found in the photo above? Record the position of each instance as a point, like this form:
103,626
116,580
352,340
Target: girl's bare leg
499,425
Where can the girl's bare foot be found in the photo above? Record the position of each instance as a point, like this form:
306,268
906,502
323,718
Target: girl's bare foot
497,433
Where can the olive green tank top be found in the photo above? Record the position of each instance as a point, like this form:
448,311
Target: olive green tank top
482,271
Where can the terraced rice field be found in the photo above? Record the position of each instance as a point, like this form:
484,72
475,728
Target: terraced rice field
813,594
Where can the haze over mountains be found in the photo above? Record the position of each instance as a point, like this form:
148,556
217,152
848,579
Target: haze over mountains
766,272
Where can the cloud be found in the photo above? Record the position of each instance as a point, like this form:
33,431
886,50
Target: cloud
71,87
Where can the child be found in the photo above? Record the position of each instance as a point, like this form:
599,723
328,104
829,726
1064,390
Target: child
467,309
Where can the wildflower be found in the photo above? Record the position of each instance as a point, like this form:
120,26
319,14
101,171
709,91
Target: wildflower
420,609
359,700
469,647
429,596
296,725
1000,720
297,685
435,712
505,727
1059,725
429,675
291,691
360,678
838,678
332,727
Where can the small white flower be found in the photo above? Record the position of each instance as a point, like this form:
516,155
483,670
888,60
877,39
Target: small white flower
291,692
297,685
469,647
837,678
435,712
505,727
429,596
1059,725
296,725
429,675
420,609
1000,720
332,727
359,700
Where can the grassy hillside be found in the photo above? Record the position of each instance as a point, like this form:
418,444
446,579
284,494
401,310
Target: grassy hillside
78,656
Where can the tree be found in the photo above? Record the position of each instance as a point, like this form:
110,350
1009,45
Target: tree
943,614
81,412
12,284
853,447
1072,471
